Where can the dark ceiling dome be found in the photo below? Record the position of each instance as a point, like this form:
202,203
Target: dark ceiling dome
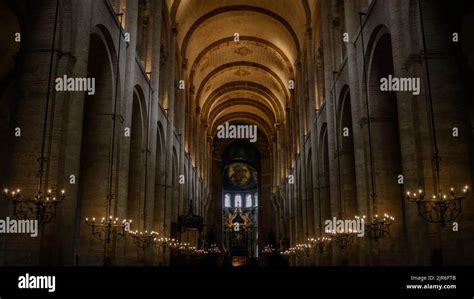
241,151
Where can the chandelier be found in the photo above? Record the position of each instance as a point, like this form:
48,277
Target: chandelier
165,242
300,249
378,227
441,208
200,252
186,248
108,230
342,239
143,240
304,249
321,243
269,249
214,250
289,252
41,207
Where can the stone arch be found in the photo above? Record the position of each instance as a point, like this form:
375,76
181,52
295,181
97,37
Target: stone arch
310,194
243,86
249,118
174,200
136,159
221,42
300,206
160,190
188,189
307,11
96,145
324,201
386,160
101,32
346,153
229,66
325,184
239,8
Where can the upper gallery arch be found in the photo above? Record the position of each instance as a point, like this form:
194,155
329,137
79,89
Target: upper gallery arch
236,71
248,49
278,21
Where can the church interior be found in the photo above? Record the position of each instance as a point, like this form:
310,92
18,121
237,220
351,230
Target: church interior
110,120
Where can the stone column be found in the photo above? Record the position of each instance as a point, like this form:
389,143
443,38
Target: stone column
171,85
66,231
32,87
155,219
356,86
125,107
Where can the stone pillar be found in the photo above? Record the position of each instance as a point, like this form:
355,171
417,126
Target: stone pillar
356,87
125,107
154,221
171,85
66,230
32,86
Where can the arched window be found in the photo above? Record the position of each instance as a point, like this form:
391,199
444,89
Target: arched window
248,201
227,200
238,201
255,199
